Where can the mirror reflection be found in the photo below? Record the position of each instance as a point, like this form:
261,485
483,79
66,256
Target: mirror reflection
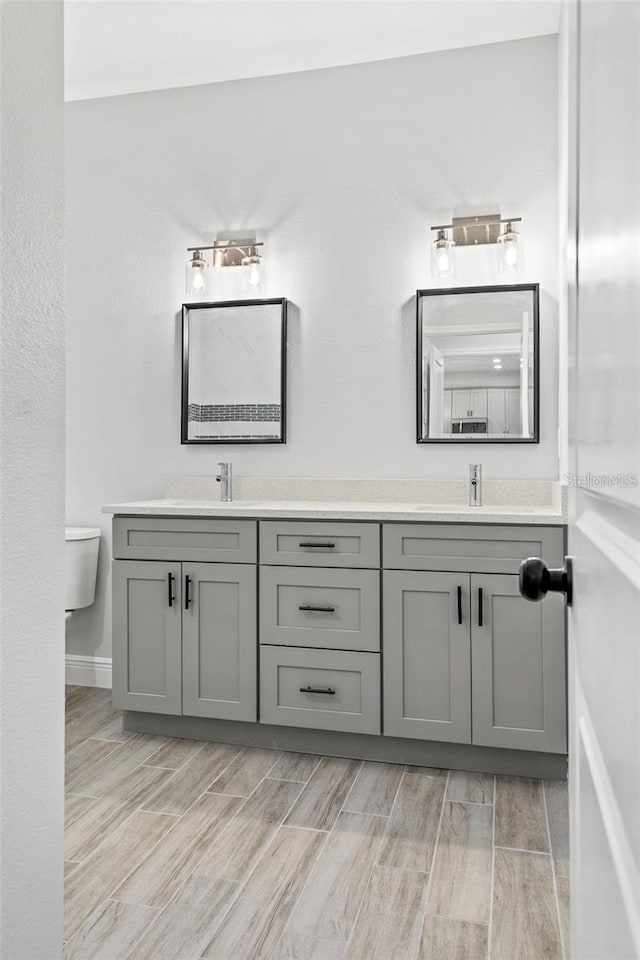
233,372
478,364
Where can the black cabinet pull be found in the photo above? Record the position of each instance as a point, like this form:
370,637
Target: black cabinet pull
170,579
187,594
310,608
327,546
328,690
479,606
459,604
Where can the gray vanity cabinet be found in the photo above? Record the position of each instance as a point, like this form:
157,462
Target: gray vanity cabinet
147,636
184,616
462,658
518,667
427,667
466,658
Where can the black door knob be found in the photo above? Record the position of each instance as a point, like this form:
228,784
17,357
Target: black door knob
537,580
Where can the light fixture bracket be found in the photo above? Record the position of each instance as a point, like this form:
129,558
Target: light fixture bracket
232,253
475,231
235,252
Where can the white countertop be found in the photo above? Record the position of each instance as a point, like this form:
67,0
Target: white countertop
546,515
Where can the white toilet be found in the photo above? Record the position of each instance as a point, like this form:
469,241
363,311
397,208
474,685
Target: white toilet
81,567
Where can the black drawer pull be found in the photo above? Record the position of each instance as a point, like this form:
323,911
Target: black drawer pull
326,546
459,604
328,690
187,592
310,608
170,579
479,606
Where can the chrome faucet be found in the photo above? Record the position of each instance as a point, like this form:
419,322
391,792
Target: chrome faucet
224,478
475,484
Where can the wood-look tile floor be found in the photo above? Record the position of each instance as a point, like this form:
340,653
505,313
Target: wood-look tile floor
180,850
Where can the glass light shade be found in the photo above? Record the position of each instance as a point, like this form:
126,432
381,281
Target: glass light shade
443,258
253,276
196,276
510,251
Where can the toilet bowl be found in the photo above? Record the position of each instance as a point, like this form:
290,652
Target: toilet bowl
81,567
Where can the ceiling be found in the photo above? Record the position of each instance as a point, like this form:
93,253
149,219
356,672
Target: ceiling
124,46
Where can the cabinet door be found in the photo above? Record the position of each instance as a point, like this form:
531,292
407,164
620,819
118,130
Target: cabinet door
219,639
427,685
518,666
478,404
147,646
460,408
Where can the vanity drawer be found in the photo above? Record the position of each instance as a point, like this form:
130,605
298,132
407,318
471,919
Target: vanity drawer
474,548
188,538
322,689
308,544
332,609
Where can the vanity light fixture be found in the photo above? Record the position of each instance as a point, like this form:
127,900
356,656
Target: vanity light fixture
509,249
204,261
477,231
196,274
253,266
443,260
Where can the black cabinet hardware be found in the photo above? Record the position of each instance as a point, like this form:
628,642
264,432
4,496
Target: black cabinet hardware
187,592
326,546
310,608
328,690
459,604
536,579
479,606
170,579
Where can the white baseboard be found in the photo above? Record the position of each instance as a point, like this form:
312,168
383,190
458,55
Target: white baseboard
88,671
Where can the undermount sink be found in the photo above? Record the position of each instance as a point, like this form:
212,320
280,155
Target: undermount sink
217,504
440,507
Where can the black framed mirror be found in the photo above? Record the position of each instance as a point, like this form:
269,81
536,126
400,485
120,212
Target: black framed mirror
478,365
234,359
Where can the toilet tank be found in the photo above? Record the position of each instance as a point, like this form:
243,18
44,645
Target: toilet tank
81,566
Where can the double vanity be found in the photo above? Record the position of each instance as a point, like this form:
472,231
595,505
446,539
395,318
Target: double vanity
389,631
373,619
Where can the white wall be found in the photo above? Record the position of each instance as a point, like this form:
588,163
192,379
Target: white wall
31,480
341,171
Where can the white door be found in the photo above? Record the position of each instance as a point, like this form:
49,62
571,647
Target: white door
513,417
496,411
446,412
604,533
436,393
